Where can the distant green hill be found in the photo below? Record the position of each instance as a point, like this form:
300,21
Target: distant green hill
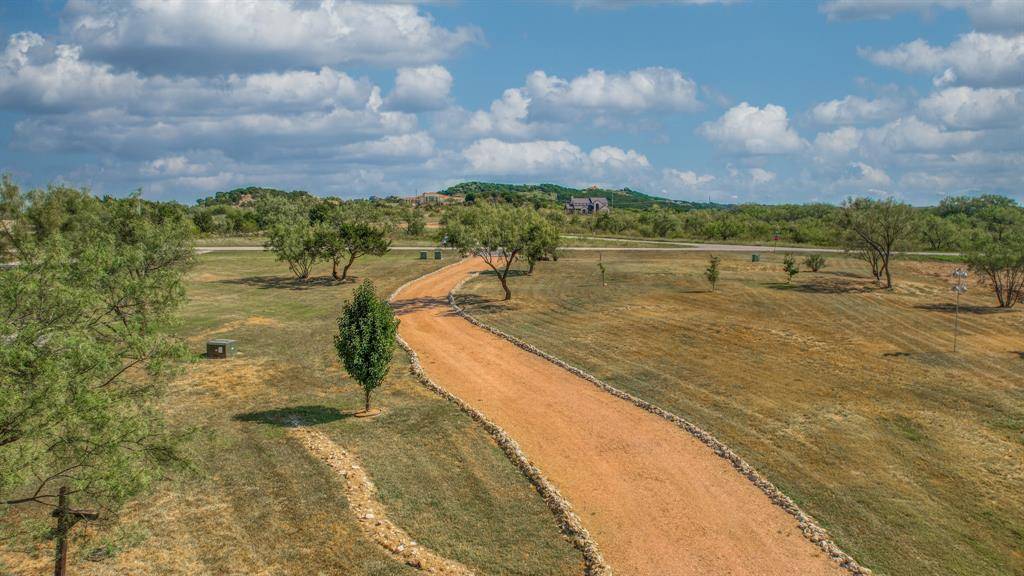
234,197
556,195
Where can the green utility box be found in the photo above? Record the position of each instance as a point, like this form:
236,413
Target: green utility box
220,348
755,257
437,254
423,254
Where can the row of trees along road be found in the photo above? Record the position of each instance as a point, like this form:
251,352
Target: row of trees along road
84,318
501,234
303,234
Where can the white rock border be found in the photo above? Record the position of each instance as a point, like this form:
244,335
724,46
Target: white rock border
810,529
569,522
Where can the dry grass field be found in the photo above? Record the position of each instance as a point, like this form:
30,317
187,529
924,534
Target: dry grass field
260,504
848,397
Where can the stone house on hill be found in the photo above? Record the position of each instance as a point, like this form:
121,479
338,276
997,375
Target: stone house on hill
591,205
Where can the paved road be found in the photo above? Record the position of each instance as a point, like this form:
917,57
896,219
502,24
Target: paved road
657,501
671,247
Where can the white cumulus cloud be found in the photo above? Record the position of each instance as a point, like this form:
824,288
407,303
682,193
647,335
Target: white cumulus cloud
493,156
854,109
973,59
753,130
635,91
422,88
966,107
181,34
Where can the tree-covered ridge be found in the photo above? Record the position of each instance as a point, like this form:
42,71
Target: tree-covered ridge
554,194
240,196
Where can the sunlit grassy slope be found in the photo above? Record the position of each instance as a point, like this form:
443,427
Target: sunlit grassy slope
848,397
261,505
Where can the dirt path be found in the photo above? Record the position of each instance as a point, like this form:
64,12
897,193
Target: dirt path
656,500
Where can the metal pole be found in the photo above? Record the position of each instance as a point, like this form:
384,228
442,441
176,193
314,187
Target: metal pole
60,566
956,323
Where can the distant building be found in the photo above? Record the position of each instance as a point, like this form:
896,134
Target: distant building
428,198
586,205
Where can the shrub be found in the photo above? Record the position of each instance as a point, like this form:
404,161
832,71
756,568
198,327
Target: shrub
815,262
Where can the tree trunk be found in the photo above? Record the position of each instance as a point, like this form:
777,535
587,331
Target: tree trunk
344,272
334,268
529,272
366,397
888,274
504,285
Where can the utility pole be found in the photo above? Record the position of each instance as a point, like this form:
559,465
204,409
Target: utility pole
960,276
60,564
66,519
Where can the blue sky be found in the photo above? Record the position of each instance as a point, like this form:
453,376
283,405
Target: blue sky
732,101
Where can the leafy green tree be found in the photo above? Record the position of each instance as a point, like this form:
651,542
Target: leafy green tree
815,262
879,228
542,241
348,234
296,242
711,273
790,268
938,233
84,328
995,251
415,222
366,338
497,234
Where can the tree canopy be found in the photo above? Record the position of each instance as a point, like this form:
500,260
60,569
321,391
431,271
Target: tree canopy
365,343
84,323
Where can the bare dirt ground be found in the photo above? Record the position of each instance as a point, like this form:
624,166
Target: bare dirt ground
656,500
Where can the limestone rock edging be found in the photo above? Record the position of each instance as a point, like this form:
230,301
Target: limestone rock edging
372,516
810,529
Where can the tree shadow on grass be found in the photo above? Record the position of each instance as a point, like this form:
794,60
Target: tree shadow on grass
513,273
484,305
410,305
294,416
951,308
287,282
825,287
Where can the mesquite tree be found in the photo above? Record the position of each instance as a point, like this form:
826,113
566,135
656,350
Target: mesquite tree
996,253
542,240
84,339
877,228
346,234
296,242
497,234
367,331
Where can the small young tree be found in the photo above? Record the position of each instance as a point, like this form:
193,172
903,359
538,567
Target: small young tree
711,272
815,262
366,338
790,268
